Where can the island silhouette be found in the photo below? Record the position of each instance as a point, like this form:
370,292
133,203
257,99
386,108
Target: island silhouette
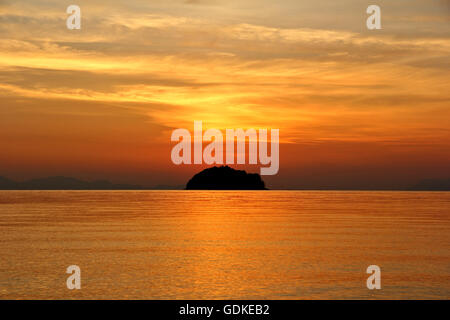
225,178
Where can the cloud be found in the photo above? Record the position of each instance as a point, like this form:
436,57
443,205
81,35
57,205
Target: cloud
230,63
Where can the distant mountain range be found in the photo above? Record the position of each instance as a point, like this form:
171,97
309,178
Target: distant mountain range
67,183
63,183
432,185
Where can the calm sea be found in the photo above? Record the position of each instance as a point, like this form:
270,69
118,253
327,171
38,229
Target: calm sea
224,244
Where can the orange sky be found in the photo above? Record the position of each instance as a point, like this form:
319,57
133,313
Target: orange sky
355,108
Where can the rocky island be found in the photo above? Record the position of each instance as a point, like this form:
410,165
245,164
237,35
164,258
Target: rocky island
225,178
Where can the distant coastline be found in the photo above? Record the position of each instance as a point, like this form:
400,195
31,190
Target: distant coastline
69,183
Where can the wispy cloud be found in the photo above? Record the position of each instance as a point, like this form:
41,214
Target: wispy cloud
231,68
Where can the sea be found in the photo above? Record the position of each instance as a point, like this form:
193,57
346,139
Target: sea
224,244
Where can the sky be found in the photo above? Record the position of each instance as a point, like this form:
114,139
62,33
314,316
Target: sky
356,108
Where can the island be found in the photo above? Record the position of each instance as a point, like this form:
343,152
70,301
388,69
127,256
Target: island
225,178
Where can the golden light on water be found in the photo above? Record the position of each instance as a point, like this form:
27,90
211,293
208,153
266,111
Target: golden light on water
225,244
